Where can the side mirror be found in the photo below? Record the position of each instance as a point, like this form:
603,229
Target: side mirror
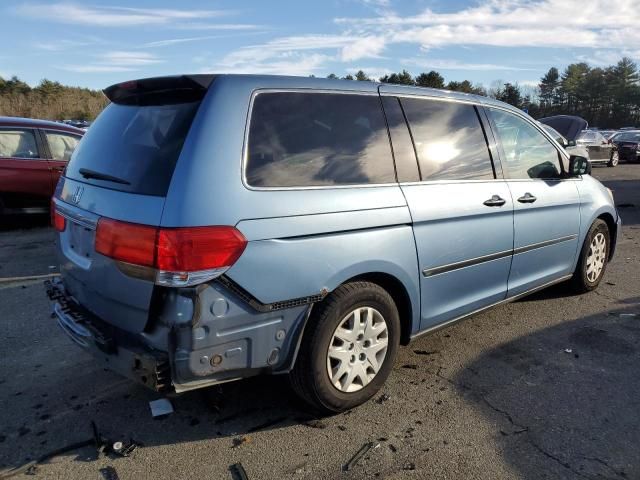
579,166
570,143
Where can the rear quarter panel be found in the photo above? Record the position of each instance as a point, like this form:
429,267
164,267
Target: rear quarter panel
300,240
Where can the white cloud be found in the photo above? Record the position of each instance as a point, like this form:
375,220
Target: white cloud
117,61
366,47
129,58
512,23
217,26
443,64
112,16
175,41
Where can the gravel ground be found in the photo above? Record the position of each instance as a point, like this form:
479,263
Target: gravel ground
546,387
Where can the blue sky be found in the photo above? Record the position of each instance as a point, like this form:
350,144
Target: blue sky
97,43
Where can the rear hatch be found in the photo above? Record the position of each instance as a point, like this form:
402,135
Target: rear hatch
121,172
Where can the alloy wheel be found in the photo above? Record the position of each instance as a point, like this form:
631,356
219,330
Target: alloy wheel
596,257
357,349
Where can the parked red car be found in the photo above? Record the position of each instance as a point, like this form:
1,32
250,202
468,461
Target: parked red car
33,154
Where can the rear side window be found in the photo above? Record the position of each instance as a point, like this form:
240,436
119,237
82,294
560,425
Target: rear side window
317,139
136,145
18,143
61,145
449,140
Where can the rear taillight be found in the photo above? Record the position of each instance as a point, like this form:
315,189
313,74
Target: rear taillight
57,221
127,242
181,256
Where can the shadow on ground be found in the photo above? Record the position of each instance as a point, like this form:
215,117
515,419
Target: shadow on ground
570,393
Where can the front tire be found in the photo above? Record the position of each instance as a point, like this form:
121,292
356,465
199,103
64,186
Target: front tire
593,258
614,160
348,348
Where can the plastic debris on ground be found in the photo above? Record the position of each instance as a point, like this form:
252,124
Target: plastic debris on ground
160,407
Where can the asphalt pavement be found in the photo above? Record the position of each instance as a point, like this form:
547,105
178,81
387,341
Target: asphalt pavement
545,387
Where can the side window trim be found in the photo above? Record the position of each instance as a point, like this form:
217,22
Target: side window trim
247,127
492,141
391,139
501,151
38,139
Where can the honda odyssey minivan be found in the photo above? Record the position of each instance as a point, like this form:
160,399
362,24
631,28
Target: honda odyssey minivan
215,227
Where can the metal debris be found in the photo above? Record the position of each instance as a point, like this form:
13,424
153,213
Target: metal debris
241,441
627,315
160,407
425,352
238,472
315,424
385,397
366,448
109,473
568,350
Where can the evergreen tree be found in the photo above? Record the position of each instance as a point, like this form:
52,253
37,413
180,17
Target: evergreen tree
432,79
402,78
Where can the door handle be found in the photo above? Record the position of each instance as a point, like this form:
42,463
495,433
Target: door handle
495,201
527,198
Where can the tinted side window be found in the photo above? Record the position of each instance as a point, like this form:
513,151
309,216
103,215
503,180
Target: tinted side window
61,145
449,140
315,139
18,143
526,152
403,151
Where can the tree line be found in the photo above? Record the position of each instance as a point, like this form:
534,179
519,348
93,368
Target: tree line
49,100
607,97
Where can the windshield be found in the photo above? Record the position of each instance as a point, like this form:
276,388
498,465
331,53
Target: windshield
137,145
628,137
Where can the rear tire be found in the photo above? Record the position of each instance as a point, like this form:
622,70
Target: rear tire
594,256
348,348
614,160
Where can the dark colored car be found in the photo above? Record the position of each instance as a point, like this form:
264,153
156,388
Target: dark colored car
628,145
33,153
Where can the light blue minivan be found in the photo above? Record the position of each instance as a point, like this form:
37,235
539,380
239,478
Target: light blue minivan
215,227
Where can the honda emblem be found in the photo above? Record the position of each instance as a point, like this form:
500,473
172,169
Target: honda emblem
77,194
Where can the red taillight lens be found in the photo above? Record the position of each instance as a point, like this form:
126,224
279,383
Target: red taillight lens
127,242
57,221
198,248
188,249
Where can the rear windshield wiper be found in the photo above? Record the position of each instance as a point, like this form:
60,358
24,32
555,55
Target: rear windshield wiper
86,173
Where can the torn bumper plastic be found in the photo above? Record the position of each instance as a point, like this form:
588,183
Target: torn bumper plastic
116,350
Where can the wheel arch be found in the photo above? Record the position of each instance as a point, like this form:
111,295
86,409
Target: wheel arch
400,295
613,227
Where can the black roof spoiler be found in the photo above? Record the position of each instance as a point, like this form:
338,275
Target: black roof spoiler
160,90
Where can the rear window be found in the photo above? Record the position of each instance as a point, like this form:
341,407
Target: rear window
138,146
317,139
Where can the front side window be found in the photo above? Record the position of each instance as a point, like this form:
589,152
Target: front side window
449,140
526,151
17,143
317,139
61,145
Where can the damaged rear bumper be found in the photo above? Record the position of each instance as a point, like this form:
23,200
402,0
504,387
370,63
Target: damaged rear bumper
114,349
